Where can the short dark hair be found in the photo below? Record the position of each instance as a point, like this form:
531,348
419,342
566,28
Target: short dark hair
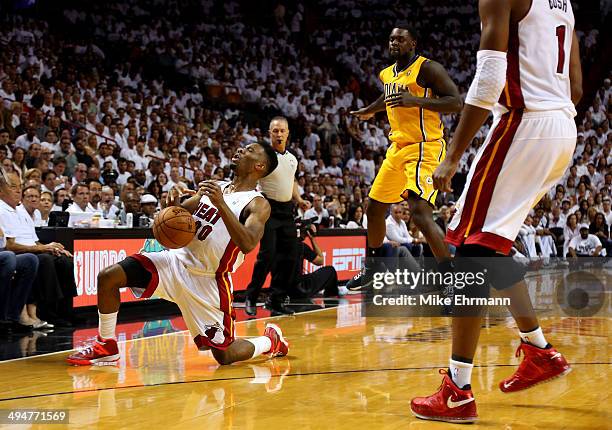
46,174
30,187
409,29
271,156
76,186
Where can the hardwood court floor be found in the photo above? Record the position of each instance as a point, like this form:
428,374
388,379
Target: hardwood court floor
343,372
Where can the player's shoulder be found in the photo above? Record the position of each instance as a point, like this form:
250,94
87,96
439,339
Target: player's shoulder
259,204
387,72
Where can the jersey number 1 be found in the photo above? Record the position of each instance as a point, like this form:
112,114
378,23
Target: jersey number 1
561,42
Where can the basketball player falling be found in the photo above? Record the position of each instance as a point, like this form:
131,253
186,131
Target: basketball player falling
415,91
231,218
528,73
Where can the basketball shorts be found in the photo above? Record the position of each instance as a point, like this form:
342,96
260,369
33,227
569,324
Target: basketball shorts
205,301
409,168
524,155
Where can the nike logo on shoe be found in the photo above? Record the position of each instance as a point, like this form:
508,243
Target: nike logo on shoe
452,404
558,354
507,384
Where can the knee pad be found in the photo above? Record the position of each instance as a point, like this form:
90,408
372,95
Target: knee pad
502,271
136,275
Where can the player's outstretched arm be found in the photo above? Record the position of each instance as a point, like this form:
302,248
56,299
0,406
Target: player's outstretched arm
368,112
575,71
434,76
485,89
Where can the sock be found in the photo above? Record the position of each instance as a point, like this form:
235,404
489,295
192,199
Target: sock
534,337
262,345
461,373
374,252
107,324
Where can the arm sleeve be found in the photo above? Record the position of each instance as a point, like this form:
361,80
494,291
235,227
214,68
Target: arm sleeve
489,79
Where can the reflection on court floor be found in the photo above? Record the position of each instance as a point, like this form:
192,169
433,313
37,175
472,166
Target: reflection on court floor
343,371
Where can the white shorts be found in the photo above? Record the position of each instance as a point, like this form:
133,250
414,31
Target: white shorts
524,155
205,301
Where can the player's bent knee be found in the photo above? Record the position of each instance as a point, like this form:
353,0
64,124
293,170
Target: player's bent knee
223,357
111,277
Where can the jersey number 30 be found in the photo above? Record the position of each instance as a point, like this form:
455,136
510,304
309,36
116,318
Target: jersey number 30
204,232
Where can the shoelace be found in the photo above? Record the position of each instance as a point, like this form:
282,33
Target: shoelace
87,346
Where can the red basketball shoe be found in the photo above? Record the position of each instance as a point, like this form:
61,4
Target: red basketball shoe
538,365
100,352
280,347
450,404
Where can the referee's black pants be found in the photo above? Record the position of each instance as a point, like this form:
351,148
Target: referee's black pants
278,250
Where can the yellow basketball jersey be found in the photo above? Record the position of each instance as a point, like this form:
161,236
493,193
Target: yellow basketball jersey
410,125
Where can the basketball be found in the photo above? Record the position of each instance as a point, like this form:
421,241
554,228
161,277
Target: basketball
174,227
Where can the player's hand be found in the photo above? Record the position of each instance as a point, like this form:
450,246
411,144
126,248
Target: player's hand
443,174
401,99
362,114
304,204
175,194
213,191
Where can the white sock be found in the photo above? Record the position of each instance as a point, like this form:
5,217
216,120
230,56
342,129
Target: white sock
262,345
461,373
536,337
107,324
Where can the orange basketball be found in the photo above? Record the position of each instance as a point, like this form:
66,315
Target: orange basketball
174,227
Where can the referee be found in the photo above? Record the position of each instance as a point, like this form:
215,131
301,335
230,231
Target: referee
279,244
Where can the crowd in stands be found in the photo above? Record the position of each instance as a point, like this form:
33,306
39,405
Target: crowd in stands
104,124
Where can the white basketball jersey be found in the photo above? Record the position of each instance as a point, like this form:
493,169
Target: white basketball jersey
539,49
212,249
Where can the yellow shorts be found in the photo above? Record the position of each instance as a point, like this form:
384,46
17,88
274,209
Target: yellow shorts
408,168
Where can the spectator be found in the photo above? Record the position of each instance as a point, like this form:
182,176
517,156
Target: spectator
148,206
55,275
17,274
30,204
317,210
584,244
19,165
109,209
600,228
357,218
569,232
59,197
80,198
95,196
45,207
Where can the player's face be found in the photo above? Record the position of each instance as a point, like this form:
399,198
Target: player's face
248,159
279,132
401,43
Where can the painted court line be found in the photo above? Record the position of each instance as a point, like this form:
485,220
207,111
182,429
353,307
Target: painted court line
170,334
